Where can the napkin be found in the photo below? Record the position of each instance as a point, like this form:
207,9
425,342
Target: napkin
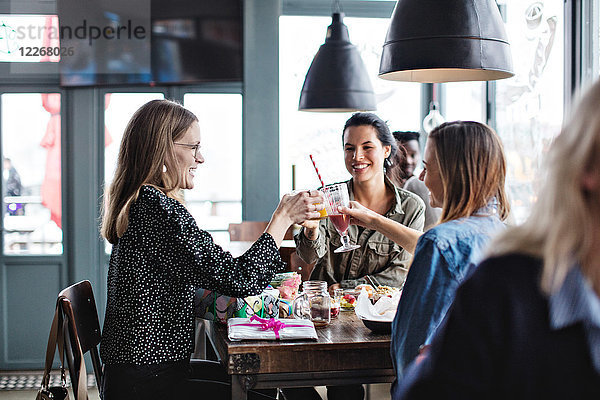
259,329
383,310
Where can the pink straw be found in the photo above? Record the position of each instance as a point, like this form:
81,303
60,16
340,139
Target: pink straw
317,170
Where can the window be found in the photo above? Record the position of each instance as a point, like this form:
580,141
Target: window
216,199
304,133
590,42
529,106
118,109
464,101
595,38
31,184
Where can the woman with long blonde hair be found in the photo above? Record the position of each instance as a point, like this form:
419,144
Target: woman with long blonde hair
527,323
160,257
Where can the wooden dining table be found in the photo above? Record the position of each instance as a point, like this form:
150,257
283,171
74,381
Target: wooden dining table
346,352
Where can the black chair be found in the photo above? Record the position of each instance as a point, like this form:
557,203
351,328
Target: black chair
79,310
83,332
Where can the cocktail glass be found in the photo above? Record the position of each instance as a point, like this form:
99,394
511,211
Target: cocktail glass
336,195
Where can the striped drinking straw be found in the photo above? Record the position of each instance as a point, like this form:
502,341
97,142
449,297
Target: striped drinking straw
317,170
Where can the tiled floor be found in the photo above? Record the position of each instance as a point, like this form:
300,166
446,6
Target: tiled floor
378,392
21,385
32,380
30,394
374,392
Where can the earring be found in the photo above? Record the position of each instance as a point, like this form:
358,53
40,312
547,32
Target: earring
164,168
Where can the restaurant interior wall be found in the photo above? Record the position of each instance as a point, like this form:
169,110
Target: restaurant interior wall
29,283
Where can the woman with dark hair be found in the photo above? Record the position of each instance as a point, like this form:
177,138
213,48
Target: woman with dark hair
160,257
368,148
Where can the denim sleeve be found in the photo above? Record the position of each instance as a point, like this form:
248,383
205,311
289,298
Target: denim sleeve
426,297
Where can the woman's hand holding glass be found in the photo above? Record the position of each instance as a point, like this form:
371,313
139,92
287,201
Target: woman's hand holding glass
311,226
302,206
361,215
395,231
294,208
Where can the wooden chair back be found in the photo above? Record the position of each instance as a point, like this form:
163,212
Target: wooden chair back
246,231
250,231
79,309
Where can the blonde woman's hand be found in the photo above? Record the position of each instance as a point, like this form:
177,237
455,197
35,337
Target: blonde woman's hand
302,206
294,209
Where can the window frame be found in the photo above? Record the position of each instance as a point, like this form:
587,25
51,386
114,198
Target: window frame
35,258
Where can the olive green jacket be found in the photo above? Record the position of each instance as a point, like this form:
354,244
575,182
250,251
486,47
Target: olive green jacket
377,256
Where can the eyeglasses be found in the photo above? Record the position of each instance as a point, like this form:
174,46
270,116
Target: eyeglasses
195,147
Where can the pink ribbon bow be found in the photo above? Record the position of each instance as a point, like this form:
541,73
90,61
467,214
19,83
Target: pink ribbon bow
272,323
266,324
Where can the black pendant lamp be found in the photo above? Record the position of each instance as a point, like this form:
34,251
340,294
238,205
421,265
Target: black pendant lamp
337,80
446,41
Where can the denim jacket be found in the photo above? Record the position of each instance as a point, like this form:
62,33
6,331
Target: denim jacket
444,256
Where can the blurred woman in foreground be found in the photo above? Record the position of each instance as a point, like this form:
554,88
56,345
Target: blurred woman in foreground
527,323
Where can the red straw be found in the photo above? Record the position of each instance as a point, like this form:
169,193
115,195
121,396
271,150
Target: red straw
317,170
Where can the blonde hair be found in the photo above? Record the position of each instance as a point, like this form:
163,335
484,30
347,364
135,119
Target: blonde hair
470,159
146,149
560,227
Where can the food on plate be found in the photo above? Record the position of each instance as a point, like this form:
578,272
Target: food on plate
379,292
348,300
368,288
383,291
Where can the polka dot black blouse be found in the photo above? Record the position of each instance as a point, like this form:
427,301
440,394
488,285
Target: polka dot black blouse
155,269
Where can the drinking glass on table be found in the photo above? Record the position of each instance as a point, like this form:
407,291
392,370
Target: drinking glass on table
336,195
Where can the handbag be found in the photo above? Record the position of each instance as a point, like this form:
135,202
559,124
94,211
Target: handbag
57,338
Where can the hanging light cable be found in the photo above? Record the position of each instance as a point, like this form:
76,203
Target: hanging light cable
434,118
337,80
